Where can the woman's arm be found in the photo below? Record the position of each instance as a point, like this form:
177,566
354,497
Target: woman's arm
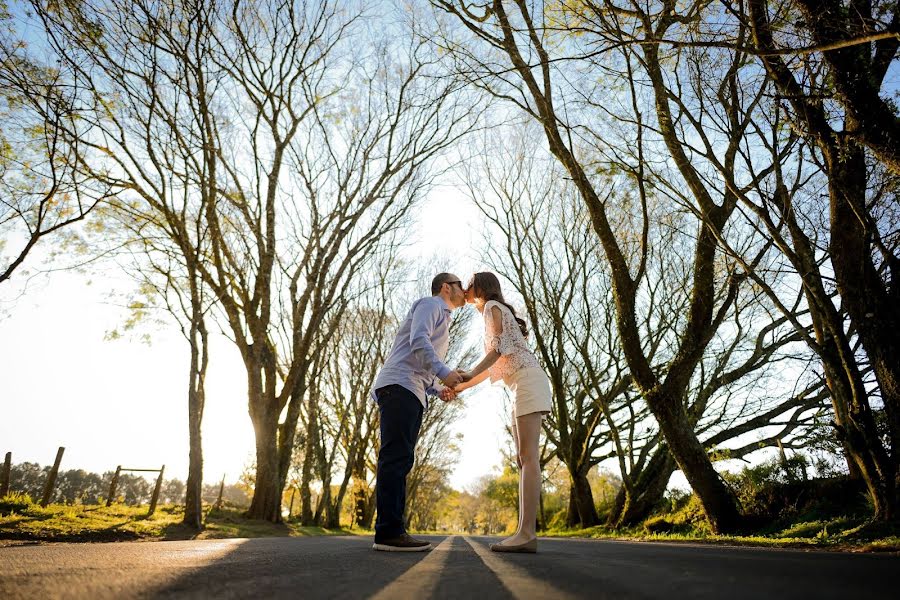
472,382
480,372
486,363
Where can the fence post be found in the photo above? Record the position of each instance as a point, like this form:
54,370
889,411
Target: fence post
112,486
4,475
155,497
221,491
51,478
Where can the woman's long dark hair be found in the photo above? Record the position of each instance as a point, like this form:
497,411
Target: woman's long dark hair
487,287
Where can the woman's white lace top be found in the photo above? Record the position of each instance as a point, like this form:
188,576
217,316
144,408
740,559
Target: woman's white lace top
510,343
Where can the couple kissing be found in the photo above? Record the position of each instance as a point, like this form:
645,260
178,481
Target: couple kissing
415,369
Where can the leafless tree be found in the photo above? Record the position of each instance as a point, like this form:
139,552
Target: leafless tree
820,91
857,43
542,242
346,417
40,192
308,151
142,110
539,240
510,51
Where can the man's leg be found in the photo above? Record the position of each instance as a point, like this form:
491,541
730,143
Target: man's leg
401,418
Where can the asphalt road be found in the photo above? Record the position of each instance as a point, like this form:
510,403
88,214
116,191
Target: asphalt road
459,567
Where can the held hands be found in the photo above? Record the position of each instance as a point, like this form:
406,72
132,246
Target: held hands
453,383
454,378
448,394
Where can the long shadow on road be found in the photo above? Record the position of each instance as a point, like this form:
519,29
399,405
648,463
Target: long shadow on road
322,567
460,567
610,569
347,567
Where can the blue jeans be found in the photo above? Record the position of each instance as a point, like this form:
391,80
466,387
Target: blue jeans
401,418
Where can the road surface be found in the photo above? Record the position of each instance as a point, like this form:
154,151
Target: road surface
458,567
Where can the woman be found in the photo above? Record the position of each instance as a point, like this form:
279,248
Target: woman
508,358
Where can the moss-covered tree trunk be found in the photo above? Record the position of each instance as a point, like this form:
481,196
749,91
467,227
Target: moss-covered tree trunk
647,490
582,511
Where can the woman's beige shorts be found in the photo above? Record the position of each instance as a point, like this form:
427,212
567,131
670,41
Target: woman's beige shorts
531,389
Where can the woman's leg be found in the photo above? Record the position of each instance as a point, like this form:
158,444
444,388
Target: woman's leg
515,432
528,433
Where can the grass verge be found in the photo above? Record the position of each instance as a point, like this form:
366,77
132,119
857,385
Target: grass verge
23,522
78,523
839,534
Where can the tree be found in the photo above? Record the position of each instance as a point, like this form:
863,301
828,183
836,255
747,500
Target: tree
163,183
302,168
540,239
41,194
347,416
857,42
524,76
863,247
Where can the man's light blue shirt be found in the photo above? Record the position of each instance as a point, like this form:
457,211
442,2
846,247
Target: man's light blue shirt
417,356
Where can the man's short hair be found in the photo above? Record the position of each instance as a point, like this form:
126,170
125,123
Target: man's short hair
439,280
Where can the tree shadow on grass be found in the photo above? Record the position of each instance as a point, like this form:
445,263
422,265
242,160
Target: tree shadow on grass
231,523
112,533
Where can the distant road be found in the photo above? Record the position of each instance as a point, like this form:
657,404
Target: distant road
459,567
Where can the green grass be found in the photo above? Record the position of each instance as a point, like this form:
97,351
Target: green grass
62,523
20,519
229,523
59,522
842,533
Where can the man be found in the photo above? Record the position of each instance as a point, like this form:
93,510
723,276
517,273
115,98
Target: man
409,373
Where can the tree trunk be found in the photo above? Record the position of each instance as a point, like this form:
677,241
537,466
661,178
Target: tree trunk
193,501
306,509
193,508
365,509
583,500
858,434
542,516
324,505
618,507
342,490
573,519
719,503
333,516
648,490
874,310
361,499
266,503
288,430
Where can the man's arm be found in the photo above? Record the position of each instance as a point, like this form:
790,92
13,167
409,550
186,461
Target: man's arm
424,319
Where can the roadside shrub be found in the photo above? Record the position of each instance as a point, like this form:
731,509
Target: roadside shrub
659,524
758,487
15,503
779,490
691,515
557,520
688,518
674,500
